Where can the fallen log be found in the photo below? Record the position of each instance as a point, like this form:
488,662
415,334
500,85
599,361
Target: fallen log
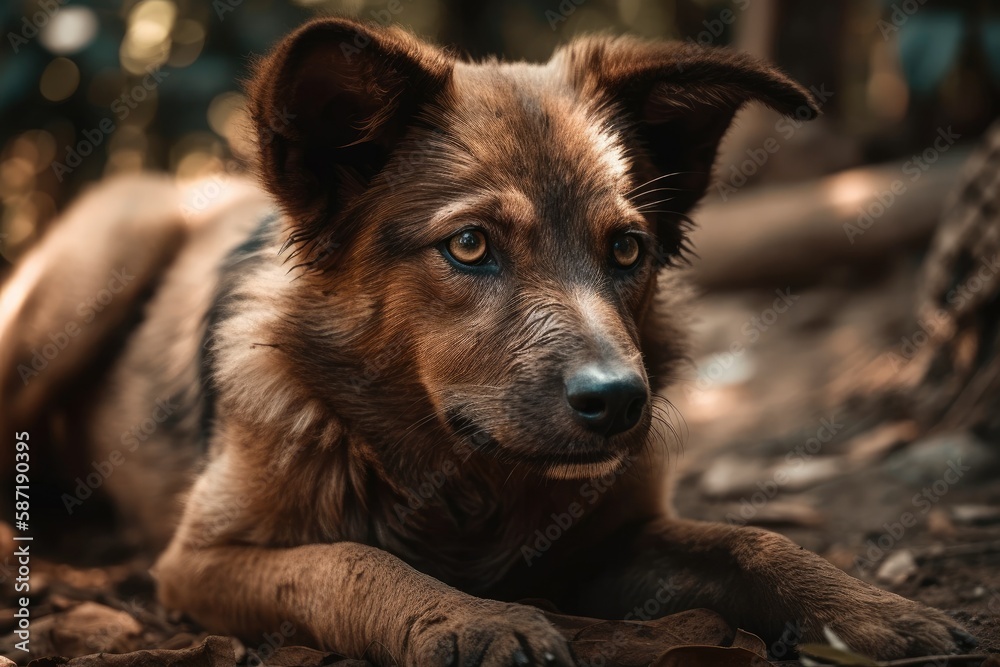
795,234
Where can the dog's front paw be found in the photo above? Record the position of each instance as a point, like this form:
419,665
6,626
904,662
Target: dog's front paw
884,626
807,589
483,633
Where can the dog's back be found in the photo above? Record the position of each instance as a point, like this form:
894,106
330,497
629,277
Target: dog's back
101,326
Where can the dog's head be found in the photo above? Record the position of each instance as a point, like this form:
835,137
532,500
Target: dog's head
492,235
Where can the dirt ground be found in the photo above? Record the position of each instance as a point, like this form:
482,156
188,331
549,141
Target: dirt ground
773,440
767,441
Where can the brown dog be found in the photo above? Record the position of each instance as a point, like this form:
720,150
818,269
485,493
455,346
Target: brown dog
434,341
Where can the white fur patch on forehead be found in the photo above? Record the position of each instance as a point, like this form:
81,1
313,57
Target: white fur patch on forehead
607,146
457,207
510,205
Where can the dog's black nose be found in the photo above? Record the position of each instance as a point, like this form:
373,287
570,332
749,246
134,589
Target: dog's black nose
606,399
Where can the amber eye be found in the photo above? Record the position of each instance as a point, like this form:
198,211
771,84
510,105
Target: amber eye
625,251
468,247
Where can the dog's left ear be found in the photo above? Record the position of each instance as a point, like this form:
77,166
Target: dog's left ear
329,104
678,101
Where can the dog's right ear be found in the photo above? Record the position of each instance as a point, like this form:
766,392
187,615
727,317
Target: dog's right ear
678,101
328,105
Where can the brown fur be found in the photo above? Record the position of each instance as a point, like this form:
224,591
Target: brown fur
337,366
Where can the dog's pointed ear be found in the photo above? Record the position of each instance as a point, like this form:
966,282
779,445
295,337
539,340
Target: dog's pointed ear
678,101
328,105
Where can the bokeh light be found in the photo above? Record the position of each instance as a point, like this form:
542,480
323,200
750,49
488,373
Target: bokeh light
70,30
59,80
188,40
147,40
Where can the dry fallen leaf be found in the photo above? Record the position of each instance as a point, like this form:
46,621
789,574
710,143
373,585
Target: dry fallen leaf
641,643
696,637
88,627
213,652
829,655
710,656
750,642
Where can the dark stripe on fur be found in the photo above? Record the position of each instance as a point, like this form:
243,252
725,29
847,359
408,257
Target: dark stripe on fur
241,260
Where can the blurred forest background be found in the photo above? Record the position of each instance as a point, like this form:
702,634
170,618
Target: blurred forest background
97,87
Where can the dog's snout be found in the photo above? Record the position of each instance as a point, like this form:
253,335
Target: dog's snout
606,399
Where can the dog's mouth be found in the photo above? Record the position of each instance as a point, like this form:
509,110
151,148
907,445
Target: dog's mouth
593,457
574,455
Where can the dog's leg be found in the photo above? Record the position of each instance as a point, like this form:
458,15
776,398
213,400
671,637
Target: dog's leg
763,582
347,597
356,600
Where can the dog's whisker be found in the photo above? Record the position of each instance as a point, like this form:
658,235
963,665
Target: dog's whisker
663,176
645,207
647,193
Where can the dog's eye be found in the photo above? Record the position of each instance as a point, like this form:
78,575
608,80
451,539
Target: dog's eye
625,251
468,247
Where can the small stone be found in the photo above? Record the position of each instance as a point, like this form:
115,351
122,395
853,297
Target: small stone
897,568
730,476
807,474
975,515
927,461
939,524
